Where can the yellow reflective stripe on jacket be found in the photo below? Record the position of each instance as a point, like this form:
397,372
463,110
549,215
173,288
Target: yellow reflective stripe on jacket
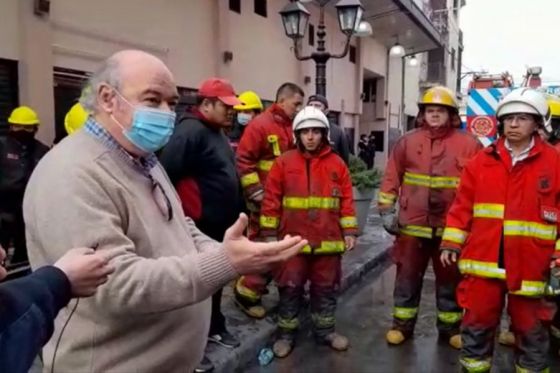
327,247
488,210
269,222
529,229
405,313
450,317
416,179
531,288
475,365
455,235
387,198
417,231
250,179
482,269
444,182
430,181
557,246
311,203
348,222
265,165
273,140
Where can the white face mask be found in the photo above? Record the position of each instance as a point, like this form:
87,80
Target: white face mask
244,118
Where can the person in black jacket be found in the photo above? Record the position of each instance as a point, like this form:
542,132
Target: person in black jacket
339,141
29,305
19,154
201,164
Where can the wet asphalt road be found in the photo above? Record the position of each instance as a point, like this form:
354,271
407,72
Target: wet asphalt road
364,316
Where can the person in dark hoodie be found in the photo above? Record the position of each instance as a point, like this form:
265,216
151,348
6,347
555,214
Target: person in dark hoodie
201,165
339,141
29,305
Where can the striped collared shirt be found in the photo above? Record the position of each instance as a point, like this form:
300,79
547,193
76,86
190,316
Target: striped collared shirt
145,164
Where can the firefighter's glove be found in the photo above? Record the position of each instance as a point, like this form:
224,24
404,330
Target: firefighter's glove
349,242
448,256
555,267
390,222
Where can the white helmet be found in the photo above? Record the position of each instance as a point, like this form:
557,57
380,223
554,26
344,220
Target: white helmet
525,100
311,117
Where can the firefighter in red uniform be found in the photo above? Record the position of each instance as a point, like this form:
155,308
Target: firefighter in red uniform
309,193
266,138
423,173
503,226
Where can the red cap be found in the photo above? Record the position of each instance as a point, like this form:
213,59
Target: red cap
220,89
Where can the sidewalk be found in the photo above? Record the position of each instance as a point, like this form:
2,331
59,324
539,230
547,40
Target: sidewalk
371,253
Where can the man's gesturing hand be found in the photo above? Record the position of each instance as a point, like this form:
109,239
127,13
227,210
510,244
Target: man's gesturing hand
253,257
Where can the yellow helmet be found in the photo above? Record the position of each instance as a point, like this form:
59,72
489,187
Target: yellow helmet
24,116
553,104
250,100
439,95
75,118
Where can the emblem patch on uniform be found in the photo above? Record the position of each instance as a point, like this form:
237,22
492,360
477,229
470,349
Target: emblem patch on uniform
12,156
549,214
544,183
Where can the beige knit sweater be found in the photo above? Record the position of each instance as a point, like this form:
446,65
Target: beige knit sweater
153,315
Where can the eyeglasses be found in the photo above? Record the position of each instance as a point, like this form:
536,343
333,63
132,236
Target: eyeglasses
520,118
160,198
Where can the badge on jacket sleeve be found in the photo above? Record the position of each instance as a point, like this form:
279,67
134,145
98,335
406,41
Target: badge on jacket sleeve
549,214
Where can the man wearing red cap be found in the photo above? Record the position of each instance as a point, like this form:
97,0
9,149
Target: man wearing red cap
267,136
201,165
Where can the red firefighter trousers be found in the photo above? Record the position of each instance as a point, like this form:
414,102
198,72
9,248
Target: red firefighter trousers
483,300
323,272
412,256
250,288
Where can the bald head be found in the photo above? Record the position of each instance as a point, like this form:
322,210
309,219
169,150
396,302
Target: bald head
120,70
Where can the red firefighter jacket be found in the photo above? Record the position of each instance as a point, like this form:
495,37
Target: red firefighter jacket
311,196
266,137
423,173
504,219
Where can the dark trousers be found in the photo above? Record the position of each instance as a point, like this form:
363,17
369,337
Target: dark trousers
12,232
217,320
412,255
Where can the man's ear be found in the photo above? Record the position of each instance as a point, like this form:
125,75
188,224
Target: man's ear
105,98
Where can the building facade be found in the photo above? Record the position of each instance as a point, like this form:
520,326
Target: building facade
48,48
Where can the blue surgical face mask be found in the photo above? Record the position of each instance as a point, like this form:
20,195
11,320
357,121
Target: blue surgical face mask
150,129
244,118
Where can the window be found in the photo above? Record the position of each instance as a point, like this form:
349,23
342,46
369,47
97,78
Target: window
260,7
453,59
68,85
187,101
8,91
235,6
352,54
311,35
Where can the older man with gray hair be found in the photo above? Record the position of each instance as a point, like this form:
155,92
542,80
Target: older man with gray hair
104,188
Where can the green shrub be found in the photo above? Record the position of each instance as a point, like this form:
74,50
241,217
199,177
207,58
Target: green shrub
362,178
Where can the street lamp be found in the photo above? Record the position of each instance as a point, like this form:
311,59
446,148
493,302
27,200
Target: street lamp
413,61
295,19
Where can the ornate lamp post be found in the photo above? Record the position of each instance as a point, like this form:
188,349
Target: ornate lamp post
295,19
